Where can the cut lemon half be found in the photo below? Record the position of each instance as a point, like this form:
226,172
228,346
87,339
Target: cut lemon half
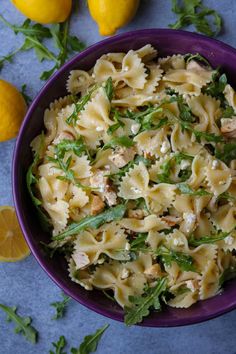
13,247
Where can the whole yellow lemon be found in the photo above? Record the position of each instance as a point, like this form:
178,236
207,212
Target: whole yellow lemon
111,15
12,110
44,11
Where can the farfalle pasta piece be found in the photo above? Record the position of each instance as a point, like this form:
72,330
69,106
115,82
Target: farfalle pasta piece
112,276
81,166
184,300
80,276
147,53
150,222
135,185
79,197
224,217
198,171
111,242
153,142
78,82
155,75
181,140
209,283
59,214
218,177
132,73
203,254
155,238
172,62
230,96
187,81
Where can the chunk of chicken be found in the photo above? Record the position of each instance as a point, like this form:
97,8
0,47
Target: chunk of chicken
98,180
154,271
121,156
228,127
97,205
136,214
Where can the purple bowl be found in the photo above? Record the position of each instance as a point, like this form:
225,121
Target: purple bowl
167,42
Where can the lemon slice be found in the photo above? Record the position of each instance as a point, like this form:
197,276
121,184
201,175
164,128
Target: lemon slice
12,243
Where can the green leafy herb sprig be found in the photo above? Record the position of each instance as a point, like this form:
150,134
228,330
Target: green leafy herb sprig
195,242
151,118
119,141
193,12
59,346
90,342
111,214
141,305
228,274
184,261
31,180
186,189
35,34
227,152
216,87
60,307
164,176
23,324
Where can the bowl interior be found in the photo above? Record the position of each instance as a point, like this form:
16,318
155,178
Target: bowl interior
167,42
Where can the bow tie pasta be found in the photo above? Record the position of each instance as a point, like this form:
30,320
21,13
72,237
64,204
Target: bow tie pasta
134,176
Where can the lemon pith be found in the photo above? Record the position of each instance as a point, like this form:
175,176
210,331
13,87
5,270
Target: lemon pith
12,243
44,11
111,15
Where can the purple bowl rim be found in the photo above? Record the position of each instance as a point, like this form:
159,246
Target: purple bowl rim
131,34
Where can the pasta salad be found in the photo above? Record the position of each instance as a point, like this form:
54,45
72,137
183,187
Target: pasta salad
135,177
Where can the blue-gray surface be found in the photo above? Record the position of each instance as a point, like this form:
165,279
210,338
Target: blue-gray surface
26,285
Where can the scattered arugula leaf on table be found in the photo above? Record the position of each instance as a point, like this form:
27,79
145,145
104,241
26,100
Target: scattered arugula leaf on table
193,12
60,307
90,342
141,305
111,214
59,346
27,98
23,324
184,261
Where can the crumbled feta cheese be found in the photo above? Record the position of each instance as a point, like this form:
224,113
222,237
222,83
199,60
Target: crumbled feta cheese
101,261
135,128
178,242
215,164
229,240
125,273
135,190
184,164
190,285
126,68
93,76
99,129
81,259
127,246
164,147
221,183
190,220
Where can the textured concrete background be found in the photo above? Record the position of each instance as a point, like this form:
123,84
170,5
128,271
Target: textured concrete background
26,285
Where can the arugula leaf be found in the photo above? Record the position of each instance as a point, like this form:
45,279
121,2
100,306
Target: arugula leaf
226,196
146,118
142,304
228,274
185,111
139,243
226,153
184,261
217,86
209,137
31,180
59,346
90,343
186,189
108,88
28,99
79,106
197,57
121,141
23,324
164,177
228,111
118,124
93,222
60,307
194,13
194,242
77,146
